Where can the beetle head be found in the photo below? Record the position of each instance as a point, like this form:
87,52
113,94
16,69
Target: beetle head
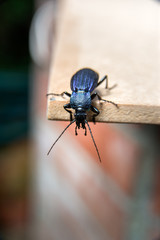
80,116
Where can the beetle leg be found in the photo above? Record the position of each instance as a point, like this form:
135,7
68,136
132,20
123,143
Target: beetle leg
66,93
100,99
96,111
76,131
85,131
106,78
70,112
84,127
59,94
116,105
94,95
102,80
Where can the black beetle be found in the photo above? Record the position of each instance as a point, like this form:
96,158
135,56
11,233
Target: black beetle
83,84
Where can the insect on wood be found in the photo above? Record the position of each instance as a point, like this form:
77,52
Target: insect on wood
83,83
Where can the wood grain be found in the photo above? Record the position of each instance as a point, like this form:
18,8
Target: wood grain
117,38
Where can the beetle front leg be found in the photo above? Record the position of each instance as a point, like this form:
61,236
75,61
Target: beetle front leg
96,111
69,111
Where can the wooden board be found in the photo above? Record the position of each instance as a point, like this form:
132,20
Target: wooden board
117,38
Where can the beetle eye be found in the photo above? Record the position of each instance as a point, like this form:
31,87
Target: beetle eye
86,89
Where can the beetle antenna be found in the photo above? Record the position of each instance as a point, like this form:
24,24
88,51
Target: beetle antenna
93,140
61,135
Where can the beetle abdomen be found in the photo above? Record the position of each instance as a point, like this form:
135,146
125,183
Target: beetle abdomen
85,79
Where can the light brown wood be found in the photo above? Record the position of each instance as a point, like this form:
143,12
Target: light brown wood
117,38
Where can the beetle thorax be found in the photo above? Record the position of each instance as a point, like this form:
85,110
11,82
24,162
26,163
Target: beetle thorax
80,99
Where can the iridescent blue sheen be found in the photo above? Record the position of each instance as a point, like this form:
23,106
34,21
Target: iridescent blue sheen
85,79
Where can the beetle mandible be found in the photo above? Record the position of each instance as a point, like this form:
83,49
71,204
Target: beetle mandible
83,83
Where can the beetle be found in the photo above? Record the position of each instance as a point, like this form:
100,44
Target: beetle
83,83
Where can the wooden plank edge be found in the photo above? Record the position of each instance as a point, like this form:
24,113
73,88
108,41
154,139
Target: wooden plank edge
126,113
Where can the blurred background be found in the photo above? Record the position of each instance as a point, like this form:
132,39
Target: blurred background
67,195
14,116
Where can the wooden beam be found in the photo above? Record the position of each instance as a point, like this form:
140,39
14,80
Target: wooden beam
117,38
